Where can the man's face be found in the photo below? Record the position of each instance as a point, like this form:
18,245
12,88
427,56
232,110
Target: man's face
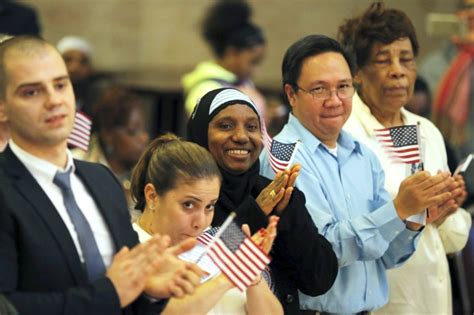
39,101
323,118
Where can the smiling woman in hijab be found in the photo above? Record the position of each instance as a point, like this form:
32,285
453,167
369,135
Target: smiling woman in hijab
227,123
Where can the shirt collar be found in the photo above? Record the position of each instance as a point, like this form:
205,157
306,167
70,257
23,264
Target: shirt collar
39,166
345,140
362,112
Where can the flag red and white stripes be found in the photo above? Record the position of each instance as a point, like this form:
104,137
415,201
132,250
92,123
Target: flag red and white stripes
401,143
206,237
280,155
81,132
237,256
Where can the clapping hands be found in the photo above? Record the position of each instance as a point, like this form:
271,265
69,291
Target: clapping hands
277,194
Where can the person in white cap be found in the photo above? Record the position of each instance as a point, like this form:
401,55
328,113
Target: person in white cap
77,54
88,84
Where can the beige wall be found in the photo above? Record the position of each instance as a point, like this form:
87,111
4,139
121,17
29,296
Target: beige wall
155,41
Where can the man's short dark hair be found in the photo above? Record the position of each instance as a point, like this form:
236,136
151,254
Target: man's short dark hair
25,43
304,48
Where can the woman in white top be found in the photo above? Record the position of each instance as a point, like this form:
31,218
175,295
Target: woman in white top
176,184
384,44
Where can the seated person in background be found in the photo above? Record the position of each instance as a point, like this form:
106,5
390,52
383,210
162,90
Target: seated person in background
87,83
384,43
227,123
66,242
238,46
343,181
119,136
176,185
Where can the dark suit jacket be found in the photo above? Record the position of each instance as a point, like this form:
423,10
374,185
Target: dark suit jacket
40,270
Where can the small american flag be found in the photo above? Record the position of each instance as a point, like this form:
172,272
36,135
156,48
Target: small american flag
401,143
236,255
81,132
281,154
206,237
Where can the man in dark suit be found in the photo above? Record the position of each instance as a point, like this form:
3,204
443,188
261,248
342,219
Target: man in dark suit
59,237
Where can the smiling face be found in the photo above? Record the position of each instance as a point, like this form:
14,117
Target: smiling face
388,79
184,211
234,138
39,101
323,118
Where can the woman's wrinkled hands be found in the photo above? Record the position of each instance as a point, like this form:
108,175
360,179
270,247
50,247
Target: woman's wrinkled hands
439,213
277,194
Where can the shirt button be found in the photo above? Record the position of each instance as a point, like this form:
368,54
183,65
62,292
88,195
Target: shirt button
289,298
370,292
348,196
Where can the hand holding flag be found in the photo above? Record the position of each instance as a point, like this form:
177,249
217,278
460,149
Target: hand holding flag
280,155
401,143
238,256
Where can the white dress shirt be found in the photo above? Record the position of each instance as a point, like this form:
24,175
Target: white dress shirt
422,285
43,172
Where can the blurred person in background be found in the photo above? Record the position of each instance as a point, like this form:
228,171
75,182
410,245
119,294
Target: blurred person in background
420,102
276,115
119,135
18,19
238,46
88,84
449,72
384,44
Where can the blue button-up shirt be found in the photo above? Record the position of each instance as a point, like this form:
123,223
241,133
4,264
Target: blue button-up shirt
346,198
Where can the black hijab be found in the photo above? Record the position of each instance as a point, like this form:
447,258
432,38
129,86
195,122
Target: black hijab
235,187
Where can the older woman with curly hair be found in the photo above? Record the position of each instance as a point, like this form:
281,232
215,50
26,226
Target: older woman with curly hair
384,45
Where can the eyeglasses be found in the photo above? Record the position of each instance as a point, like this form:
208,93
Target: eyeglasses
321,93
